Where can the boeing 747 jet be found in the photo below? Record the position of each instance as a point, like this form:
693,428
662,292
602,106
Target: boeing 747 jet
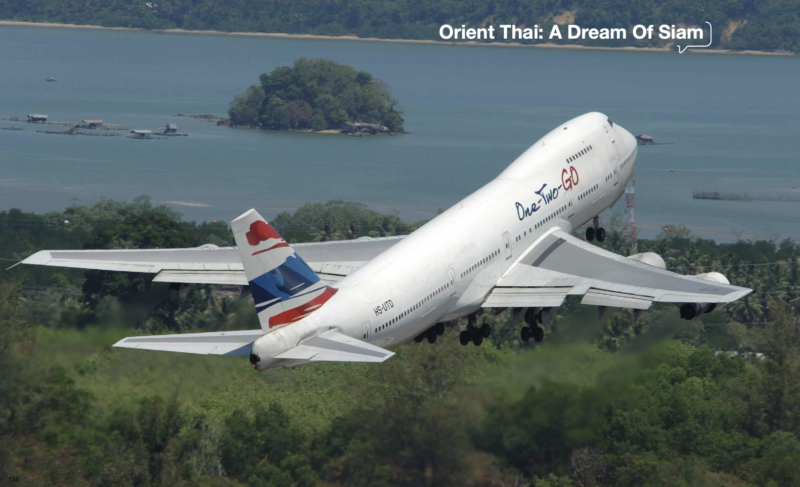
507,245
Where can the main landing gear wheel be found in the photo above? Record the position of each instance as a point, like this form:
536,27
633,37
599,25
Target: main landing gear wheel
537,333
419,338
439,329
431,334
595,231
474,334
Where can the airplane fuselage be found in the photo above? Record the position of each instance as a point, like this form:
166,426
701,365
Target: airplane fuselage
445,269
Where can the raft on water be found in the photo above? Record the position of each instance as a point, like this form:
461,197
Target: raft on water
75,132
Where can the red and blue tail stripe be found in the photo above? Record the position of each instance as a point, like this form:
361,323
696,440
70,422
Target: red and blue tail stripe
284,287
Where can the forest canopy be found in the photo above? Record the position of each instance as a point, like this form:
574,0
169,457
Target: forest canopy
315,94
651,402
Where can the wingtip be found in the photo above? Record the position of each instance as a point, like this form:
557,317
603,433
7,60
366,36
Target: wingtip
41,257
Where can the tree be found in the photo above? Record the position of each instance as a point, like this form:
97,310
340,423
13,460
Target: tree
315,94
244,109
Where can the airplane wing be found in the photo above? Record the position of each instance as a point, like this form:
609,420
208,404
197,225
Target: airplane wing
210,264
237,343
560,265
332,346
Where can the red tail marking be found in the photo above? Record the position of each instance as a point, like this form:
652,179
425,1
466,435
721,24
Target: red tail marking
259,232
277,245
294,314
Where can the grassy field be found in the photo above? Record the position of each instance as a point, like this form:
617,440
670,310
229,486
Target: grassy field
212,385
315,394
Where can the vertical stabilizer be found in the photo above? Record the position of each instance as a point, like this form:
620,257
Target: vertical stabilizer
284,288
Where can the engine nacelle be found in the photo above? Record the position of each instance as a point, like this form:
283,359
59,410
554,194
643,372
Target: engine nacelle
649,258
690,311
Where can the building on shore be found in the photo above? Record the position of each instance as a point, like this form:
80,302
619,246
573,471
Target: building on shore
171,128
37,118
644,139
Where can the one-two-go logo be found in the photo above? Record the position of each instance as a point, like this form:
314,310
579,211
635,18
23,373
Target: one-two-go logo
569,178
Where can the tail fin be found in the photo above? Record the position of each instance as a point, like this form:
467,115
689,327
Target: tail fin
284,288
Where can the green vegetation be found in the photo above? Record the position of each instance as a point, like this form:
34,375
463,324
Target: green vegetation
315,94
597,403
768,26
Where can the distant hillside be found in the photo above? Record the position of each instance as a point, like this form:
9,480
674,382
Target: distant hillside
771,25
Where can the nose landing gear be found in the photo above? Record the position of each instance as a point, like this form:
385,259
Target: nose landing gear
595,231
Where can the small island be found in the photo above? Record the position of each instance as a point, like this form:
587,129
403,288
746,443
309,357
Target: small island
318,95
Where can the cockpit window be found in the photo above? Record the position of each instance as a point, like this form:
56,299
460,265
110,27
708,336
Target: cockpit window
610,122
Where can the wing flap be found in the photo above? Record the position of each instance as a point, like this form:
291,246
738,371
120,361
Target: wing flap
600,297
506,297
332,346
236,343
235,278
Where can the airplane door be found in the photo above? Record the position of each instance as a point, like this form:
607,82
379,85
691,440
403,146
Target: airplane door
365,330
507,241
570,205
612,159
452,276
615,168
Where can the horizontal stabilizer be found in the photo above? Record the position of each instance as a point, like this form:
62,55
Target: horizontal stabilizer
333,346
236,343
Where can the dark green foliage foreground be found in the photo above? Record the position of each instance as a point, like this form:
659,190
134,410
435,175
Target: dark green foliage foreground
608,402
315,94
764,25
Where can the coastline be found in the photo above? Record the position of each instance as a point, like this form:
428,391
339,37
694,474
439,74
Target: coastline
376,39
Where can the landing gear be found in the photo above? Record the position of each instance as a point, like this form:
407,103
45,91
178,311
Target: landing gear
431,334
534,316
537,333
473,333
595,231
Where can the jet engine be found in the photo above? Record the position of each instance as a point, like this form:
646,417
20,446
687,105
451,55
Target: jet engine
690,311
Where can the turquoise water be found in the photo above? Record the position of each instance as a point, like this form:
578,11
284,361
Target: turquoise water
471,110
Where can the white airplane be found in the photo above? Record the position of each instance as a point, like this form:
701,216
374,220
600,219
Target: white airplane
507,245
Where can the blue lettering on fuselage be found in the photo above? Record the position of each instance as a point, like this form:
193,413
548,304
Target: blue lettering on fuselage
547,197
